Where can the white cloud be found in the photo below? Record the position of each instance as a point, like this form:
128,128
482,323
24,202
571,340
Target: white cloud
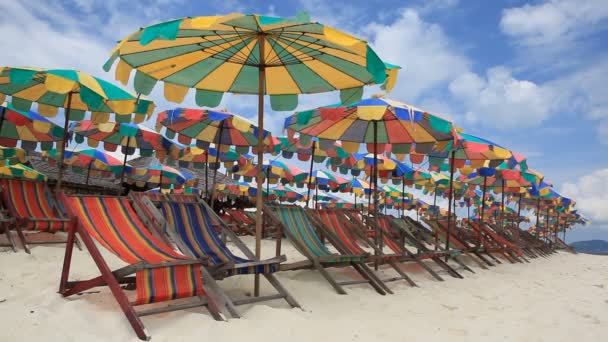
591,195
428,58
554,21
499,100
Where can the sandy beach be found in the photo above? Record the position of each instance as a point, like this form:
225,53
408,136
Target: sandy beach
560,298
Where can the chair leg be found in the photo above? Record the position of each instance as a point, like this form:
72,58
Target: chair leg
22,239
9,238
328,277
77,242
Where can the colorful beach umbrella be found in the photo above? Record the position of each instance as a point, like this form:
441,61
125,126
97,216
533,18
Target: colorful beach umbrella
8,170
130,137
248,54
74,91
160,175
28,127
91,161
12,155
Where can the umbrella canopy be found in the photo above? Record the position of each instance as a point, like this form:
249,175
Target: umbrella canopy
32,129
80,92
160,175
222,54
83,158
207,126
12,155
197,157
129,136
395,123
285,193
325,180
74,91
9,170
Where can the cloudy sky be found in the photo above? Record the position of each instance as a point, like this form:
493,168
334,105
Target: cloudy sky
529,75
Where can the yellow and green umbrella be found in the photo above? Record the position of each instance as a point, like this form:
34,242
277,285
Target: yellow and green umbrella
89,161
12,155
74,91
9,170
249,54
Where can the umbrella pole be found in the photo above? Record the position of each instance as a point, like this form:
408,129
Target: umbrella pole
160,182
378,234
2,119
260,171
518,210
537,217
124,166
63,141
403,198
207,173
502,205
217,160
547,223
312,158
436,210
88,173
483,208
450,196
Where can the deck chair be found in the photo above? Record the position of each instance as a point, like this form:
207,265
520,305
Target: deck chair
509,249
471,250
161,274
243,224
33,209
513,236
190,198
335,221
422,238
191,226
387,236
294,222
489,240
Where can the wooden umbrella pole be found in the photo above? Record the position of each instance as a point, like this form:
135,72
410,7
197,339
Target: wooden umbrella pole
2,118
312,158
518,210
124,166
547,222
436,211
316,197
217,161
63,141
88,173
483,208
403,198
160,181
450,196
378,233
207,174
260,171
537,217
502,205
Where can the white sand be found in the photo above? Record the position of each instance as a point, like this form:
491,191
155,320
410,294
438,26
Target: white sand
561,298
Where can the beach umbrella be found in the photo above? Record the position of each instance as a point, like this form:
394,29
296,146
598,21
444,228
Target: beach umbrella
130,137
375,122
285,193
87,159
32,129
12,155
74,91
160,175
249,54
206,126
8,170
199,158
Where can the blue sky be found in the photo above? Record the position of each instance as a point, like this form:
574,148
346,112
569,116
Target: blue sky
529,75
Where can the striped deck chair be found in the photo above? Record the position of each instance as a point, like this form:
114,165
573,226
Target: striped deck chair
294,222
509,249
190,198
193,228
470,236
161,274
467,248
420,237
243,224
33,208
335,221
